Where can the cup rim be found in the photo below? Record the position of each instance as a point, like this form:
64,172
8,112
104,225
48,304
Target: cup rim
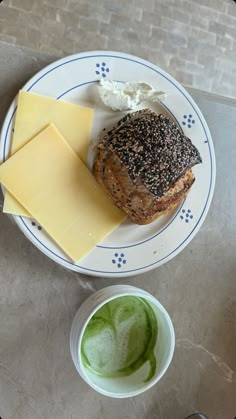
136,292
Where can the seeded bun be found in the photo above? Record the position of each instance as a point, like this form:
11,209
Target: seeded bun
144,163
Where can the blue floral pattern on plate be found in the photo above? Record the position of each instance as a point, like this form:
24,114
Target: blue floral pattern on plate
186,215
34,224
102,69
188,120
119,260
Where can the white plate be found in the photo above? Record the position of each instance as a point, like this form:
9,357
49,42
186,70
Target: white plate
130,249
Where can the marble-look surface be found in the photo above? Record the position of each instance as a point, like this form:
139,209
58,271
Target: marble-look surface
193,40
38,301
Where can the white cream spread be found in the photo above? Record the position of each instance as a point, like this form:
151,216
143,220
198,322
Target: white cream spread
125,96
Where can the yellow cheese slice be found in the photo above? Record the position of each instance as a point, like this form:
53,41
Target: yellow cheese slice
54,185
34,113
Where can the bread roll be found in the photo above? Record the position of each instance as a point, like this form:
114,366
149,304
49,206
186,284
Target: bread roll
144,163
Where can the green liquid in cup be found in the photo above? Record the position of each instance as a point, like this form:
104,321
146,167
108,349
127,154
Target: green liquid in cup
120,338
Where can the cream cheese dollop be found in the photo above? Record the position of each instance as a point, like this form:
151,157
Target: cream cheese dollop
126,96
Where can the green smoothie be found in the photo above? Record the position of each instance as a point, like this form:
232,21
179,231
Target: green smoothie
120,338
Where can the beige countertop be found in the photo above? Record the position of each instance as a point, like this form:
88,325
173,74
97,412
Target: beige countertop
39,299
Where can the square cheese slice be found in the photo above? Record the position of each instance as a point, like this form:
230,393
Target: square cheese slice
34,113
54,185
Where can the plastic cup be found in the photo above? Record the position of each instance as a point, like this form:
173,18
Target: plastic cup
134,384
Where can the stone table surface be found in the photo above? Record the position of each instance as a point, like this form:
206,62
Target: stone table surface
193,40
39,299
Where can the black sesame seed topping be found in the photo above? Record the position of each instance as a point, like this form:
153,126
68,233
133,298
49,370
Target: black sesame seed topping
153,149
